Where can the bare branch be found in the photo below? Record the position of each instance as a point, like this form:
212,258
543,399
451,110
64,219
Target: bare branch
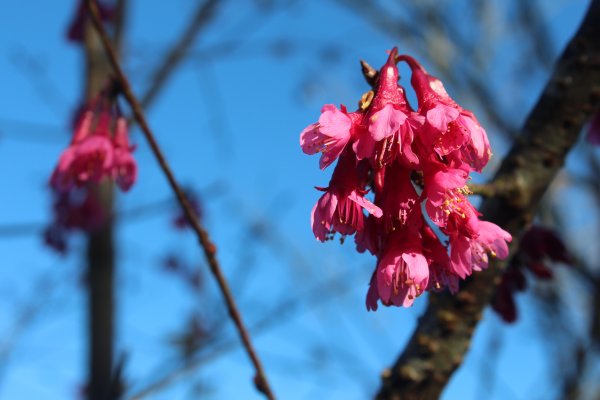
275,316
203,15
100,250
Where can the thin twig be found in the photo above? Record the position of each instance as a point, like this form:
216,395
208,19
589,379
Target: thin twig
484,190
203,14
275,316
203,238
154,208
100,249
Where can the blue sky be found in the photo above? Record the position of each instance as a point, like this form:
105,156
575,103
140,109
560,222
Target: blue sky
234,120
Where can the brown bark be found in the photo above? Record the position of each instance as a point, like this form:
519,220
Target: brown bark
100,253
443,334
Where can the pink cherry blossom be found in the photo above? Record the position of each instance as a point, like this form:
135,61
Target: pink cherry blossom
390,123
472,254
402,273
410,161
340,209
328,136
88,160
399,200
441,275
450,127
99,149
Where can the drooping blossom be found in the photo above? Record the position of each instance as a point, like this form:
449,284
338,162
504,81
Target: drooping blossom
472,254
402,272
441,274
328,136
340,209
421,226
449,127
389,124
89,157
99,149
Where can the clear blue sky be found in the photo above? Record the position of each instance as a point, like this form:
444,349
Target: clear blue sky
233,119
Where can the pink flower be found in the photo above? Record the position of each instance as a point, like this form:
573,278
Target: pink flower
99,148
368,238
447,130
93,159
399,200
328,136
441,275
340,209
446,203
88,158
403,272
390,123
471,254
449,126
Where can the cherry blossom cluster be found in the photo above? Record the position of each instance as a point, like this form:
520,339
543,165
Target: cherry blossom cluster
414,166
99,148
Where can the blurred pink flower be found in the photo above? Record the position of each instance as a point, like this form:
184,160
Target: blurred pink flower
99,149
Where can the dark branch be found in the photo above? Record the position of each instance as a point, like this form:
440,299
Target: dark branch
443,334
100,252
203,15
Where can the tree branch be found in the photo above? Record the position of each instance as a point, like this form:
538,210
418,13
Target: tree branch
209,248
100,251
203,15
443,334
